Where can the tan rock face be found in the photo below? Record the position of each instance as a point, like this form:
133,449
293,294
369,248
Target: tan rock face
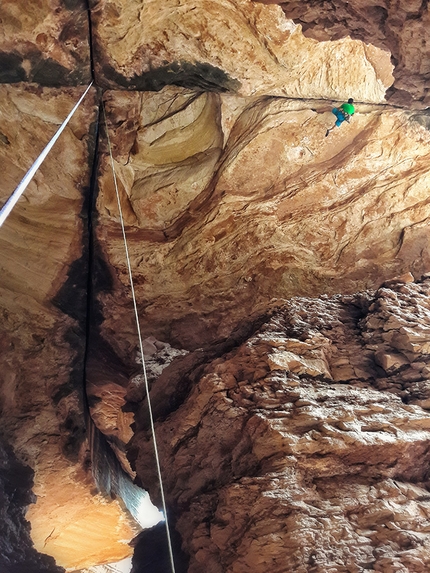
232,196
48,218
15,495
45,42
272,465
400,27
233,45
212,234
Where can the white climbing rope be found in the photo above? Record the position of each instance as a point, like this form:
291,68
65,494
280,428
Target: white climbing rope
136,315
11,202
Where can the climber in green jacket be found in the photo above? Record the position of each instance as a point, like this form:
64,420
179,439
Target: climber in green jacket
343,113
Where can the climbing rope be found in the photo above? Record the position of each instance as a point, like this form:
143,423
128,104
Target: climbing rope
11,202
139,334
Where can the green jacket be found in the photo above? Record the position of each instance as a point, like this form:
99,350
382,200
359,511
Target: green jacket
348,108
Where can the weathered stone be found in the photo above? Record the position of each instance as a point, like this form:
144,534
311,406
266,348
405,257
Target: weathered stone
213,250
43,305
390,361
284,441
301,365
344,467
46,42
399,27
17,551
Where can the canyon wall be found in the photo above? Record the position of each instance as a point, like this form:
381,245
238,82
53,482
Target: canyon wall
214,235
306,447
293,430
44,246
396,26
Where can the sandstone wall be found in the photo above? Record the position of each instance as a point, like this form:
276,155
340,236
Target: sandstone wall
233,45
400,27
17,552
213,234
46,42
306,447
44,265
232,197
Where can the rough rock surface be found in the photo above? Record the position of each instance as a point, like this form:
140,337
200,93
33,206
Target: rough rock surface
109,394
233,45
43,307
400,27
232,196
16,551
306,448
46,42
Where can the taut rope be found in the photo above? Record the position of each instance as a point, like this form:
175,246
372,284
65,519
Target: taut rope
11,202
136,315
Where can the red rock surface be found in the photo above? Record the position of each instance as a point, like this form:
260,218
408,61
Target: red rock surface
17,552
45,42
297,451
43,307
294,435
233,45
213,235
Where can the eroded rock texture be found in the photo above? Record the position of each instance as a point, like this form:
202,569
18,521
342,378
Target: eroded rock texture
400,27
44,266
302,444
231,45
306,448
17,553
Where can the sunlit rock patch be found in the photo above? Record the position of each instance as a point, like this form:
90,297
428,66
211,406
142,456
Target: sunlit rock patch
400,28
232,196
234,45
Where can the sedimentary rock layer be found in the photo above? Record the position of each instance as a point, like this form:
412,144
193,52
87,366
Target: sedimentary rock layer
231,196
43,283
306,448
17,553
400,27
231,201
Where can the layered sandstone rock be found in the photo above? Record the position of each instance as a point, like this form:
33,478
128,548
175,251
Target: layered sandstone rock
233,45
311,435
297,451
46,42
17,552
400,27
231,201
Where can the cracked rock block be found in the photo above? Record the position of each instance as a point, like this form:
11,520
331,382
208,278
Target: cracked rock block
269,465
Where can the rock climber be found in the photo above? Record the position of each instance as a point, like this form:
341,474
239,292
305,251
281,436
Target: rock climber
343,113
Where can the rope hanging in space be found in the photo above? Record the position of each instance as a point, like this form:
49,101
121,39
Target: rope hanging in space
139,334
13,199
